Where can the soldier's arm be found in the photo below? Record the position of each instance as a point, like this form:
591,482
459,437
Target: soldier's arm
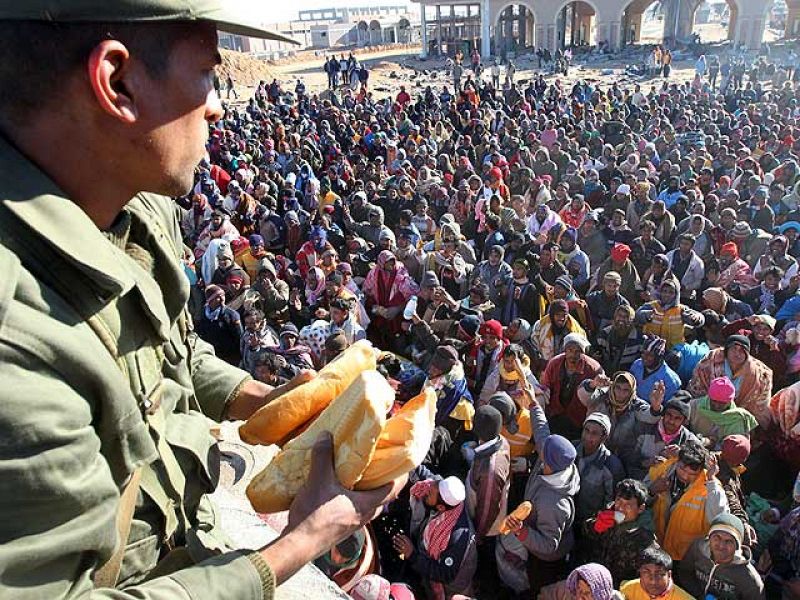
59,501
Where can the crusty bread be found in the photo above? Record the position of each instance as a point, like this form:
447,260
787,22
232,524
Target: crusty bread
292,409
355,418
521,512
404,442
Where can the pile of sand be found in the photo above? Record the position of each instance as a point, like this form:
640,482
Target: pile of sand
246,69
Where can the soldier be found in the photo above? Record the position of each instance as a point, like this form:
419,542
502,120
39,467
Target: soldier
106,388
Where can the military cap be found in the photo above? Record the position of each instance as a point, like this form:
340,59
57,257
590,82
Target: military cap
228,15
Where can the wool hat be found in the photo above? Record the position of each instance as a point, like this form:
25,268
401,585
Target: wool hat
470,324
213,291
444,358
371,587
488,423
735,449
564,281
612,276
507,408
576,338
491,327
601,419
451,491
344,267
656,345
679,405
730,524
571,233
289,329
558,453
767,320
741,229
741,340
729,248
624,188
721,390
336,342
429,279
620,252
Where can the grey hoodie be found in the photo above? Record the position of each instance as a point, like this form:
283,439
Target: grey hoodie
549,526
700,576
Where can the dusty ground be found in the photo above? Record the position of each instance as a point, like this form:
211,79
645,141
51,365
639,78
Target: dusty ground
390,68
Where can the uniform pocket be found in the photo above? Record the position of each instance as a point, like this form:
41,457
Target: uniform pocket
140,558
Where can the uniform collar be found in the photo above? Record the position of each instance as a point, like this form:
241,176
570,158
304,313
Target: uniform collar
45,209
38,202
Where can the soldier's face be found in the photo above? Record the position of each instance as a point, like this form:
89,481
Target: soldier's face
175,109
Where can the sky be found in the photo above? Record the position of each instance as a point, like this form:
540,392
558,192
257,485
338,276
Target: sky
278,11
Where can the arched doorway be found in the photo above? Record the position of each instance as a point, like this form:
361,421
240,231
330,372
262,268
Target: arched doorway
513,30
375,33
576,24
643,22
712,18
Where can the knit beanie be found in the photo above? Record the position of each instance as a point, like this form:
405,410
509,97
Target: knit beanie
741,340
505,405
730,524
680,406
487,423
336,342
470,324
558,453
721,390
601,419
735,449
597,577
491,327
213,291
371,587
444,358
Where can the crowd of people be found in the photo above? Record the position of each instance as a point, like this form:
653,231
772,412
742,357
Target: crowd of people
599,282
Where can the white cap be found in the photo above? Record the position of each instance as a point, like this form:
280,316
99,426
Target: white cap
576,338
452,491
623,188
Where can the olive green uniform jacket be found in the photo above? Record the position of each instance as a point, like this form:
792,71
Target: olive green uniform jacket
100,374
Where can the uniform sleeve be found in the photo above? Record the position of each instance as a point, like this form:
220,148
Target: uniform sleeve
59,502
215,381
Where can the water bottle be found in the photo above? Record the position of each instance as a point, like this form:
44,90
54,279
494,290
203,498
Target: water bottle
410,309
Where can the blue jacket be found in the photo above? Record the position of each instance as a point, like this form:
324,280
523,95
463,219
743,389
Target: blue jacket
645,385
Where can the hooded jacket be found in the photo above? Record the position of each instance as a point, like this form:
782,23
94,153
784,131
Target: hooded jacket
700,576
547,533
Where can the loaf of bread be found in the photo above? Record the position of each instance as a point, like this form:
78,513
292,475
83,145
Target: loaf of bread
521,512
291,410
404,442
355,418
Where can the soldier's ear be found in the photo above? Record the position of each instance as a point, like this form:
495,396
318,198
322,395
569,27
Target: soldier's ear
109,70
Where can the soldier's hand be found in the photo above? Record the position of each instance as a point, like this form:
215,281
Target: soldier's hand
325,511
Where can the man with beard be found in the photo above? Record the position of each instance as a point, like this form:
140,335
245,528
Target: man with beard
495,273
574,259
561,379
605,301
551,330
550,268
619,345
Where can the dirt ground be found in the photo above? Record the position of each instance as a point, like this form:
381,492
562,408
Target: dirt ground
390,68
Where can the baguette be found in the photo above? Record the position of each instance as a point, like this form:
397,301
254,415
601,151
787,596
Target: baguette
522,512
404,442
355,419
302,377
296,406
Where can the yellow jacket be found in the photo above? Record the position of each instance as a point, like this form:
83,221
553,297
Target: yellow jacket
666,324
632,590
679,525
520,443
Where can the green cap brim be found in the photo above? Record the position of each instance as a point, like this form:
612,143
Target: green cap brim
223,13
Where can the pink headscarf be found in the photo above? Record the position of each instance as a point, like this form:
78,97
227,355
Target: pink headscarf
402,283
312,295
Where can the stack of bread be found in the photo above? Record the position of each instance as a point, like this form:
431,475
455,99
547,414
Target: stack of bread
351,400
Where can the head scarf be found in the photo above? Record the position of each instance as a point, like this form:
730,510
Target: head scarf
619,404
729,248
313,295
384,286
597,577
716,299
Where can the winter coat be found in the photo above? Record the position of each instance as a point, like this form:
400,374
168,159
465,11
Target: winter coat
600,472
547,532
700,576
678,525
